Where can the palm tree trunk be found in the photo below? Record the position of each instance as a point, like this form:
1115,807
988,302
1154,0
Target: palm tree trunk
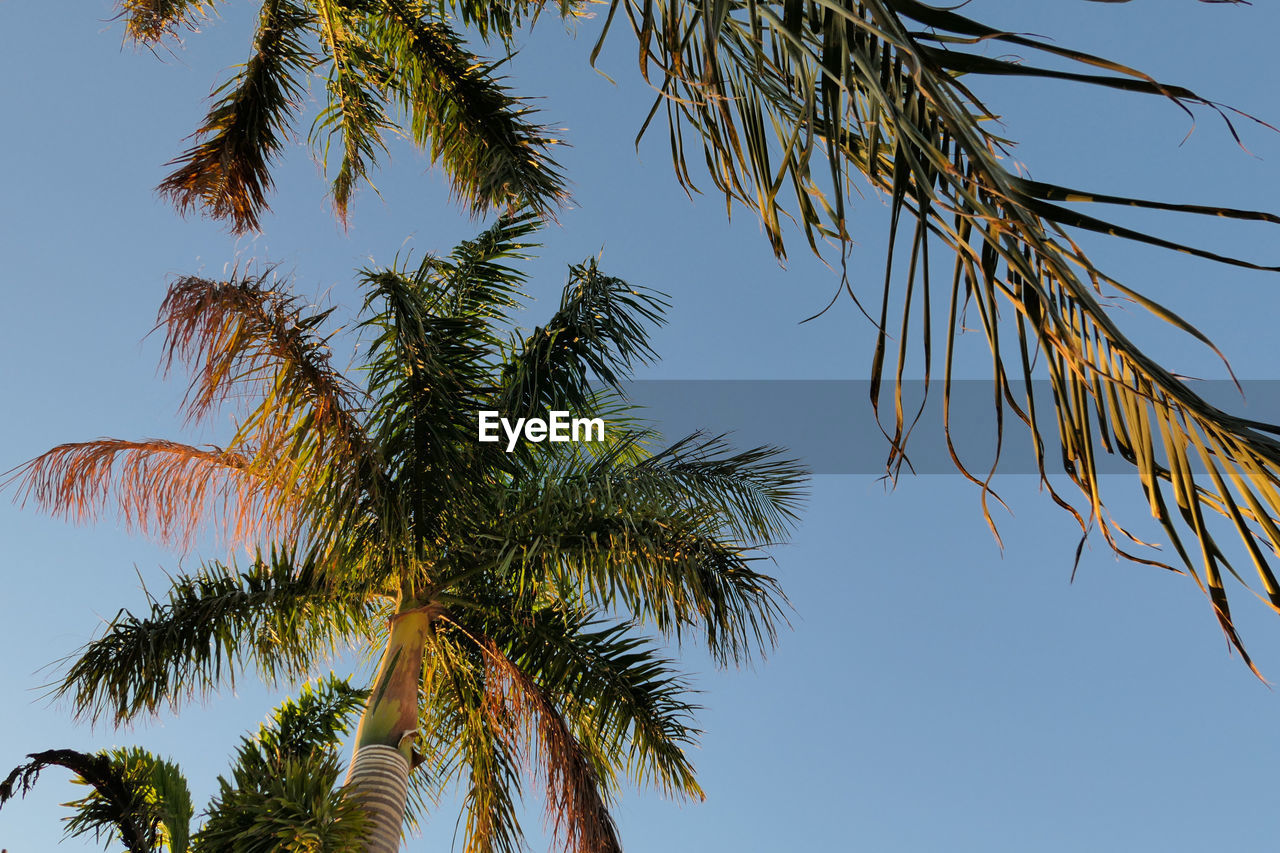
379,774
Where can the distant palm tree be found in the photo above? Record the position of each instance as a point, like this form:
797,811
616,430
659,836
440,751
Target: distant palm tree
794,100
488,579
281,794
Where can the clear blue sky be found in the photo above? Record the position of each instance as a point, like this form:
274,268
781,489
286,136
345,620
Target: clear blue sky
935,693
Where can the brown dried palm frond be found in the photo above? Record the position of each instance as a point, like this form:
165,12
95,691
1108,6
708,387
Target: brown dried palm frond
163,489
250,342
576,797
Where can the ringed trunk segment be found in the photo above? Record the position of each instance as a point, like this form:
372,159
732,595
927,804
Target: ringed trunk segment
379,781
379,774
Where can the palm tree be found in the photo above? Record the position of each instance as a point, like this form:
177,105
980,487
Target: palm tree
281,794
811,95
504,590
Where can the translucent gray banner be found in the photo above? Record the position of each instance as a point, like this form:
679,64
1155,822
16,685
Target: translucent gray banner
832,427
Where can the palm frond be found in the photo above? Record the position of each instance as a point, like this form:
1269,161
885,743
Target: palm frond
228,170
148,21
279,616
577,804
354,112
601,331
249,340
298,805
610,685
473,281
162,489
465,739
136,797
613,546
282,790
159,801
757,492
808,95
499,21
458,110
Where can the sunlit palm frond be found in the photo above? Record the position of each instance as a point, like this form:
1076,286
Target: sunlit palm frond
464,739
279,616
162,489
577,801
609,683
249,341
807,96
148,21
600,332
228,171
458,109
354,113
603,543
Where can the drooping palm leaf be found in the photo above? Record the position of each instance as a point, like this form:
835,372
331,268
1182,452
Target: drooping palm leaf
136,797
228,171
278,616
160,488
809,96
457,109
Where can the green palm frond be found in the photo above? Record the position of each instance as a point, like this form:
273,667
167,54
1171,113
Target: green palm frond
159,800
278,616
808,95
354,113
499,21
601,331
473,281
609,683
228,171
299,806
137,798
282,793
320,716
615,545
467,740
457,108
756,493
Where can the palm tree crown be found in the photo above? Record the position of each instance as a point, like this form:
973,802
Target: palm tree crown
505,589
